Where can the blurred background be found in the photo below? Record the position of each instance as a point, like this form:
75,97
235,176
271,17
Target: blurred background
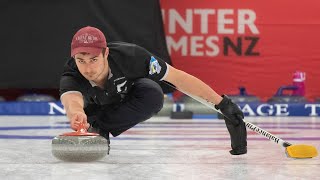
264,56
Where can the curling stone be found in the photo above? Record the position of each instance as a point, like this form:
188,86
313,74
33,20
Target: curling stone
36,98
287,99
167,106
80,146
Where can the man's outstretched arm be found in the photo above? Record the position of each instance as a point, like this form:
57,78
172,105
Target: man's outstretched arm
194,86
191,85
73,104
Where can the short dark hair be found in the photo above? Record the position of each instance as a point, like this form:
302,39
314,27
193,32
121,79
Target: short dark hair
103,51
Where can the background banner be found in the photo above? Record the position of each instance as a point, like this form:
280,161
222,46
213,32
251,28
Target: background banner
227,44
36,35
249,109
256,44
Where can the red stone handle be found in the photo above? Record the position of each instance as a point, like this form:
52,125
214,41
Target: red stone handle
82,131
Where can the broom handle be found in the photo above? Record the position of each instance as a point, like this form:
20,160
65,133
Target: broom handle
249,125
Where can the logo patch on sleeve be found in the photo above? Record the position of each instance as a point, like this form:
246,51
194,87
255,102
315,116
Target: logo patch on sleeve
154,66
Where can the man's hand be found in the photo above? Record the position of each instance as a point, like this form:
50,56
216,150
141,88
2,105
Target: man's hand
78,118
230,110
235,124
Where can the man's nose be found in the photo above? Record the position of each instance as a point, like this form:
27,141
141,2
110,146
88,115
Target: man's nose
88,69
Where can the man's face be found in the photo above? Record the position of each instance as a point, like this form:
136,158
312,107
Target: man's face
92,67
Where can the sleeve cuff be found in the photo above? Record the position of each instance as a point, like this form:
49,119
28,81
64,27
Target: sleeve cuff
69,92
166,73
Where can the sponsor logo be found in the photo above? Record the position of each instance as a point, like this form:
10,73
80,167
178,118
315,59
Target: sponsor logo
294,109
263,132
56,109
191,31
154,66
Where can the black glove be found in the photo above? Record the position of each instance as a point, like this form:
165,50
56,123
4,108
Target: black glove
230,110
235,125
238,136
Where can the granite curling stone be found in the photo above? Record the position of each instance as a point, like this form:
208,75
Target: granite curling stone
80,146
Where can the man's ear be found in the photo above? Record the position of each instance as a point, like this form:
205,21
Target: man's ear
107,52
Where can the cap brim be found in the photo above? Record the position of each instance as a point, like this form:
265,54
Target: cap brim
91,50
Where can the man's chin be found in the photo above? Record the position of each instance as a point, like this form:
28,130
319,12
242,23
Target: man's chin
90,78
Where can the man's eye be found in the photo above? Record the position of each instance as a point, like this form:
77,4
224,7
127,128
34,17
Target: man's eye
94,60
81,61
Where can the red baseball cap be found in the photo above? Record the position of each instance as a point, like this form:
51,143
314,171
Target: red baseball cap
88,40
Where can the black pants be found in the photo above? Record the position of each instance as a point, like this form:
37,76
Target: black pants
143,101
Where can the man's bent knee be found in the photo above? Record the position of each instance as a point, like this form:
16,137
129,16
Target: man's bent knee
150,94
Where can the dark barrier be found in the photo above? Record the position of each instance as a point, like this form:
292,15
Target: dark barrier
36,35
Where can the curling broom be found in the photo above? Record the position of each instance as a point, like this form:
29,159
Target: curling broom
293,151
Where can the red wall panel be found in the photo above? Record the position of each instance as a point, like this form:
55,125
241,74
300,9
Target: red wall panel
277,38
